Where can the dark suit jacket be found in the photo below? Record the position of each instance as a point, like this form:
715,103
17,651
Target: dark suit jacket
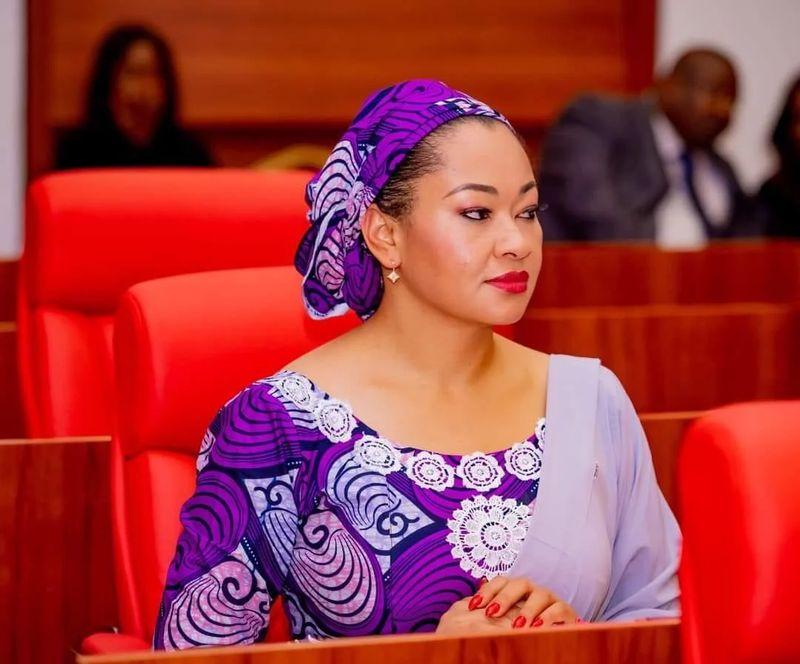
601,175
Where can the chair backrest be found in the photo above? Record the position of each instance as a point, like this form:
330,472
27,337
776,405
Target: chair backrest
184,346
90,235
739,500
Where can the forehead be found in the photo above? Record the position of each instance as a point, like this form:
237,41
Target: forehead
474,149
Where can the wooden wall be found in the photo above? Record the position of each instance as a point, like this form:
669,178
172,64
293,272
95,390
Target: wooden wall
278,72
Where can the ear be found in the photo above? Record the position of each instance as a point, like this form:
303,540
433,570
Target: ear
382,236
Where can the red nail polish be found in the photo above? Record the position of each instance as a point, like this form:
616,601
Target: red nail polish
475,602
483,581
519,621
558,622
493,608
537,623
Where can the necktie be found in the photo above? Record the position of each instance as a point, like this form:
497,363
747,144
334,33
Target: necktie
687,164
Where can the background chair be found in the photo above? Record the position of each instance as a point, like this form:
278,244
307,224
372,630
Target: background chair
183,346
739,501
92,234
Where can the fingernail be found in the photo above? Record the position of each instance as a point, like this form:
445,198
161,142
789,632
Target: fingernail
537,623
519,621
493,608
482,581
475,602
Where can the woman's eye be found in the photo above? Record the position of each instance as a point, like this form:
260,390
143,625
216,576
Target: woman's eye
476,214
533,211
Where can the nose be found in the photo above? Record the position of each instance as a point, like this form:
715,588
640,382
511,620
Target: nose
511,239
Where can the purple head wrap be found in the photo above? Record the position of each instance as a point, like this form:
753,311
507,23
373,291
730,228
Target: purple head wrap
339,273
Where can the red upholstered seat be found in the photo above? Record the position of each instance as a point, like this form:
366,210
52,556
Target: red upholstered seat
739,491
90,235
183,346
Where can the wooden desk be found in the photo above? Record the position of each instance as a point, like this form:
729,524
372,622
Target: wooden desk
655,642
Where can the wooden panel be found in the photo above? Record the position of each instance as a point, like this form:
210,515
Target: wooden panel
575,275
8,290
675,358
655,642
258,66
12,421
664,432
56,567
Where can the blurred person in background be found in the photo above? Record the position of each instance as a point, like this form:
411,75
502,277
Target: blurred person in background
780,194
131,116
647,169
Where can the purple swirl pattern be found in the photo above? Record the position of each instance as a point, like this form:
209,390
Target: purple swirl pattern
338,271
359,536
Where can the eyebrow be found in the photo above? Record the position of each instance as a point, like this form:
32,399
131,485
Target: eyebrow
488,189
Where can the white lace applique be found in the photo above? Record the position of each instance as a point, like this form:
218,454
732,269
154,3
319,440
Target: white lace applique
486,534
480,471
296,389
541,426
334,419
430,471
377,454
524,460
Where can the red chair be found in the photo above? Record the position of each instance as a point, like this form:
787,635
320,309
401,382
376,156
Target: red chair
91,235
183,346
740,505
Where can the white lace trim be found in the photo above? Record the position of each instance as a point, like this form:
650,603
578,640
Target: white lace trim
297,389
430,471
524,460
480,471
541,427
486,534
335,420
377,454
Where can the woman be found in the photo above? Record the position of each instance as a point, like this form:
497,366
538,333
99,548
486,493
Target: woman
376,481
780,195
131,109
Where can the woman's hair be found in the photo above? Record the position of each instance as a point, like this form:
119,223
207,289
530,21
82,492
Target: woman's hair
110,54
782,137
397,195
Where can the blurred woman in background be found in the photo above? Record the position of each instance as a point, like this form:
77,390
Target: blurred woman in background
131,116
780,194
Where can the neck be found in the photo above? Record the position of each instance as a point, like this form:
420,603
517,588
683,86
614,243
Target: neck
429,346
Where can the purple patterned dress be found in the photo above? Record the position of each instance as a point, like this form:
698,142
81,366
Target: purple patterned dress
297,497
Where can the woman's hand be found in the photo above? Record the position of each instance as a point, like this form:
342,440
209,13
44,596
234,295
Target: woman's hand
522,601
460,619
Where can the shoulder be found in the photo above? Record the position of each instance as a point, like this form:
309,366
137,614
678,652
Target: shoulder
604,111
253,429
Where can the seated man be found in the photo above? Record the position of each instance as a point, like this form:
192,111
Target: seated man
646,169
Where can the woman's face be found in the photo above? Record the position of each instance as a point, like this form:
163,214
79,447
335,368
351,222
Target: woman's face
139,93
472,245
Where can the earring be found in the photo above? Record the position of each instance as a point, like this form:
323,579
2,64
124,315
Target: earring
393,276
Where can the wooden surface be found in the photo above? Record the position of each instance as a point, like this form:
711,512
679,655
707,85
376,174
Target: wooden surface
12,423
655,642
674,358
253,64
56,566
593,275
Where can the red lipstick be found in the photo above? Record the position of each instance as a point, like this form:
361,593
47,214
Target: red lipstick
511,282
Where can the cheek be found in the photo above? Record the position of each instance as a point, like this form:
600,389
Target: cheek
445,246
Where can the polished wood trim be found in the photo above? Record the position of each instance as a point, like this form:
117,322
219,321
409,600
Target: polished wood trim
56,561
655,642
38,138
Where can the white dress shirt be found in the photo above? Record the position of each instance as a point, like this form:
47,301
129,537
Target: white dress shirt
678,223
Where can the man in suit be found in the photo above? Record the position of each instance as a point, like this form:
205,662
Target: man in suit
646,169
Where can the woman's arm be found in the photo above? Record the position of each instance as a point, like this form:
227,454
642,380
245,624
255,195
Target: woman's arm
238,533
646,548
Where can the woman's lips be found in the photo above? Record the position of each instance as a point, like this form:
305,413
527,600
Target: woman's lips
511,282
